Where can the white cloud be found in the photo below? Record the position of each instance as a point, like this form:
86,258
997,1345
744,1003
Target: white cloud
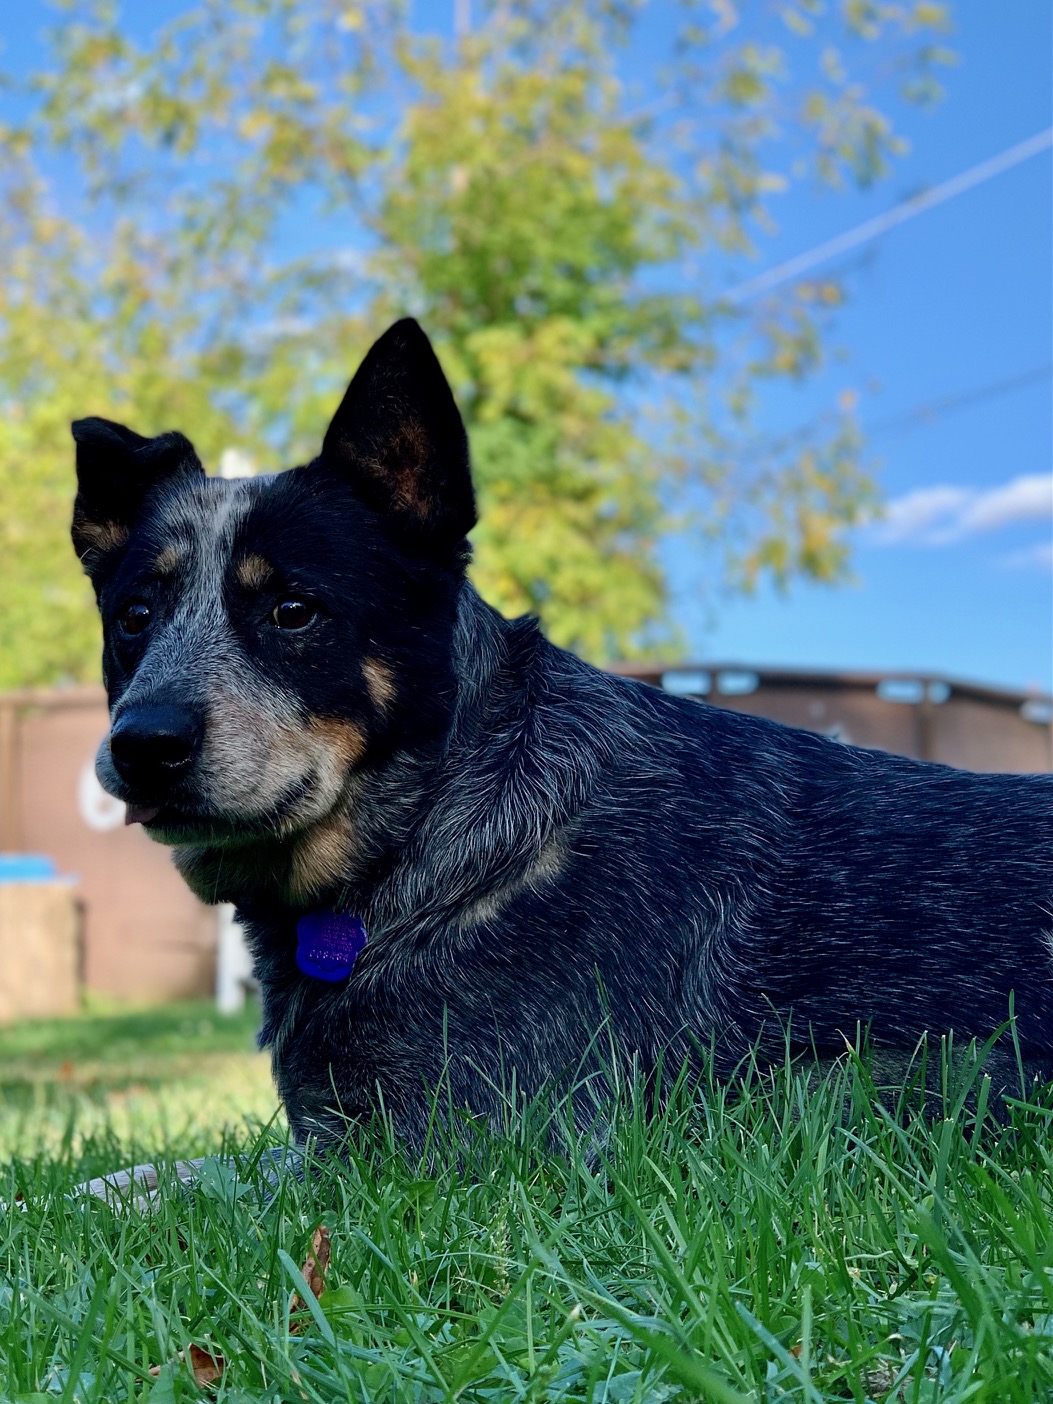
1032,556
262,336
345,260
936,516
1027,499
910,516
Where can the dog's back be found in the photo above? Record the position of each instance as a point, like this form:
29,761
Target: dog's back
598,855
866,888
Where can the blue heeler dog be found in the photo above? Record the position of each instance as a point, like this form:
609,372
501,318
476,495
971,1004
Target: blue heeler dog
458,851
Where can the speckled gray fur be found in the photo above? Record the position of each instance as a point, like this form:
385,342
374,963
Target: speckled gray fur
564,874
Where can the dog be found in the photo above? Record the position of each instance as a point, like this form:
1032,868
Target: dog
464,858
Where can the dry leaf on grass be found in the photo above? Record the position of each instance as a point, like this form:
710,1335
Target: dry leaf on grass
314,1271
206,1366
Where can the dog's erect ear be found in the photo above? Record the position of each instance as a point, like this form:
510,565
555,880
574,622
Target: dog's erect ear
116,468
398,438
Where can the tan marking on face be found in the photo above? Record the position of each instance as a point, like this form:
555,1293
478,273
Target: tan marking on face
254,572
321,857
167,560
257,747
98,536
380,683
345,740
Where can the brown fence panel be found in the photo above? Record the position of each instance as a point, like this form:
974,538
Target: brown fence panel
932,718
975,735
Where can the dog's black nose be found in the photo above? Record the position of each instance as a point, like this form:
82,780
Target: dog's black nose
151,746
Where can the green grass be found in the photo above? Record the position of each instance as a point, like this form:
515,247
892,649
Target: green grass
170,1075
789,1242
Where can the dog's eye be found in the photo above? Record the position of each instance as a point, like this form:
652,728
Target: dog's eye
292,614
135,618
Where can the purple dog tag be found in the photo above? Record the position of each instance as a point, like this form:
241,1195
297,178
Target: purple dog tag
328,944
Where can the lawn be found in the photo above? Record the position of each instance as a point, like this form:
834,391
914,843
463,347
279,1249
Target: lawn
785,1242
169,1076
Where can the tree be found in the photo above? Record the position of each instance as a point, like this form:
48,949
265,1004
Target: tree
204,230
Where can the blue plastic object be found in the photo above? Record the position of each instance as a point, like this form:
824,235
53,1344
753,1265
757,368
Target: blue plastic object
26,867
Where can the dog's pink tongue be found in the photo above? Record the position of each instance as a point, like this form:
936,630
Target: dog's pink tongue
141,813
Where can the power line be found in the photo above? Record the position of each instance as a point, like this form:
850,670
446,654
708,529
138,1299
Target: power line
920,416
899,214
924,414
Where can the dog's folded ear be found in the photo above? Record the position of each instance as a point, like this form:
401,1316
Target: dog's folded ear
116,468
400,441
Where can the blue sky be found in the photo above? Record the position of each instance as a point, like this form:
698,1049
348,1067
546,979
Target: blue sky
958,299
959,579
